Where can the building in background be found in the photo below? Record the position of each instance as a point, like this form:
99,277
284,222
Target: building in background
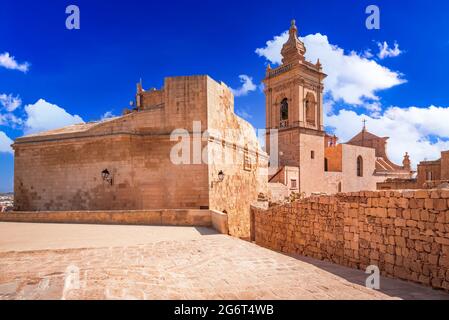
6,202
311,161
431,174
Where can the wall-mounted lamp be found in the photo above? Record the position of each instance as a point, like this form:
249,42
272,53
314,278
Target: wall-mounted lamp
106,176
221,176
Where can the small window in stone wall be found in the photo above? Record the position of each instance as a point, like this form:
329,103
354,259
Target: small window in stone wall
359,166
312,154
293,184
246,160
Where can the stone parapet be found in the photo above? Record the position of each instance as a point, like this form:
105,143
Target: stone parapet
167,217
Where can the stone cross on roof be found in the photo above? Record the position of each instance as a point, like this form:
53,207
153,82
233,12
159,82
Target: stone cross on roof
364,124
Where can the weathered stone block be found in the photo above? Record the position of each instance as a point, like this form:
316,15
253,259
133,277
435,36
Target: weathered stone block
441,240
440,204
399,222
428,204
391,213
421,194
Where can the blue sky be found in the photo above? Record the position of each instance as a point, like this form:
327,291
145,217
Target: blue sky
86,73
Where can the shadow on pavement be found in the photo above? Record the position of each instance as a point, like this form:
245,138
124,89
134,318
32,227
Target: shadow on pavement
392,287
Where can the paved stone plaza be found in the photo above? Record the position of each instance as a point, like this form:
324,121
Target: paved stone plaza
143,262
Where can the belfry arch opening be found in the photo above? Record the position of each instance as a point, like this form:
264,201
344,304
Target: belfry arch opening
284,109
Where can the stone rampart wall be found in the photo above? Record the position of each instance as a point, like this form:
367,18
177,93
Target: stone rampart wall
405,234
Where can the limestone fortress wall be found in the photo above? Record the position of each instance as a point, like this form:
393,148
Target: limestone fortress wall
405,234
62,170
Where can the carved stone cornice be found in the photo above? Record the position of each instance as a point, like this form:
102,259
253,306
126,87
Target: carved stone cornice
283,86
299,81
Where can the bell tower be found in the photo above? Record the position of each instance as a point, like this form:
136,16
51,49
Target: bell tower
294,89
294,106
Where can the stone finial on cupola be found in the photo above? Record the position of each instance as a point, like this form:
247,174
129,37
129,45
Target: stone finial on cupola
267,71
406,163
294,48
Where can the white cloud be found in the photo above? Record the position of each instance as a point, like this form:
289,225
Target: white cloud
352,77
9,119
107,115
5,143
367,54
386,52
43,116
374,108
9,62
9,102
247,86
242,113
328,106
272,49
422,132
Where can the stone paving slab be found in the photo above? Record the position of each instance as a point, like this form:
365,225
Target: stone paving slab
205,267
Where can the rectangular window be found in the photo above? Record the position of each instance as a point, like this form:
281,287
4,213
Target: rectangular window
293,184
246,161
312,154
